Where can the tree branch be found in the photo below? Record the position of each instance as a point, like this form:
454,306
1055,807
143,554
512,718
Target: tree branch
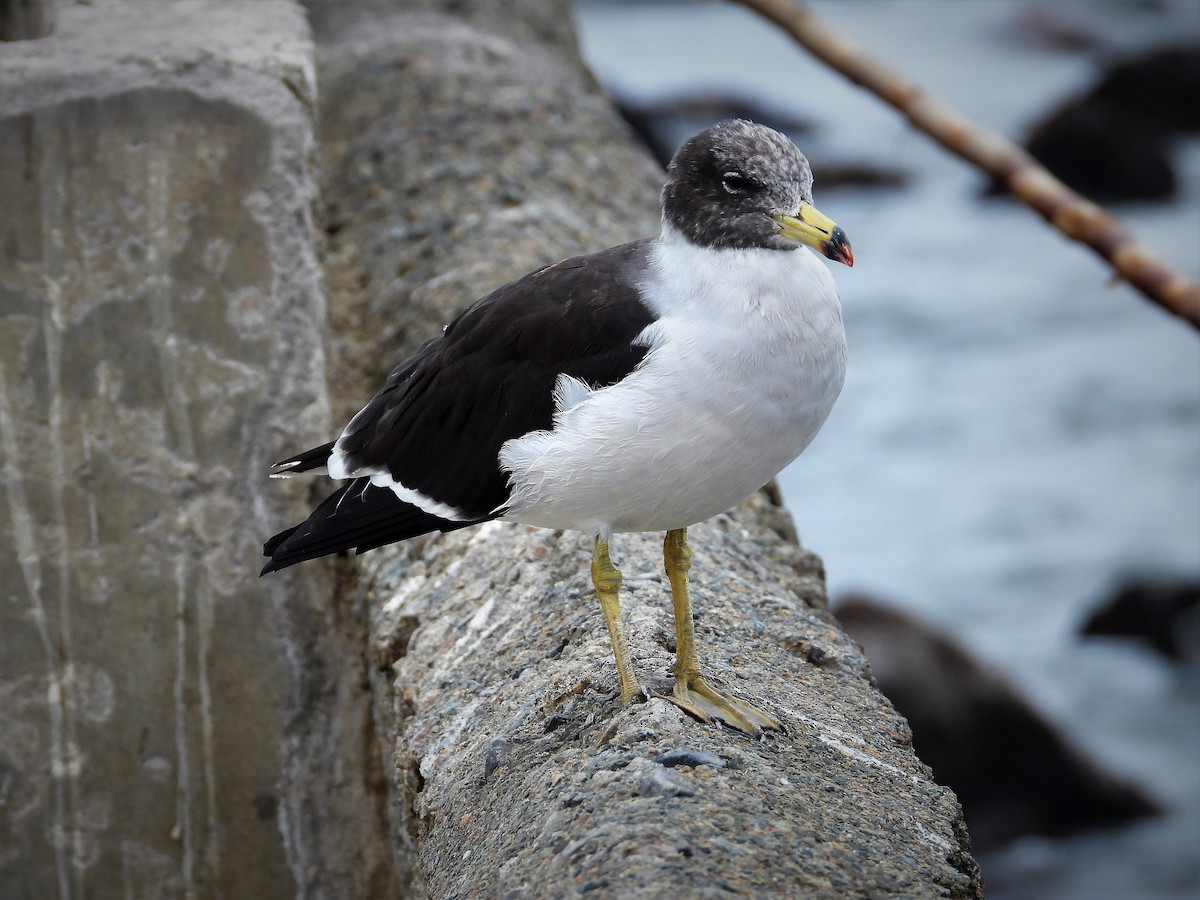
1073,215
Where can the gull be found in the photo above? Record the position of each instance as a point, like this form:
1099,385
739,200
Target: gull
647,387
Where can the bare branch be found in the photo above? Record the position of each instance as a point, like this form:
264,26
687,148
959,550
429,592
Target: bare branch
1073,215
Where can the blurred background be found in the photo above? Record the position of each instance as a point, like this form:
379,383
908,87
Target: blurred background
1019,437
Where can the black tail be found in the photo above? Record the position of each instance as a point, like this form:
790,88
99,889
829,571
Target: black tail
316,458
358,516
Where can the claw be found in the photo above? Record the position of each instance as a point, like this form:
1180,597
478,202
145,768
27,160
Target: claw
697,697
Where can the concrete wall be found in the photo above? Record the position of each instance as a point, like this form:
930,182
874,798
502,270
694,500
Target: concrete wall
169,725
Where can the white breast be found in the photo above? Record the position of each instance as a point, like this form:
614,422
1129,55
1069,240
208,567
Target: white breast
747,358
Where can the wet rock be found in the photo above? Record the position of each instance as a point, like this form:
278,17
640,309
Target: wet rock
1114,142
1102,152
1157,88
1013,772
1164,612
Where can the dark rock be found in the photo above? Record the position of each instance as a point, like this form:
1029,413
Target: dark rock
1013,773
1164,612
1099,151
684,756
1113,143
495,756
1159,89
660,783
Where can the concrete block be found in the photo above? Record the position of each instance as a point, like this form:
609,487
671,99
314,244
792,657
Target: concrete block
169,725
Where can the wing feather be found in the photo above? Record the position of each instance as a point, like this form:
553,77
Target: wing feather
439,422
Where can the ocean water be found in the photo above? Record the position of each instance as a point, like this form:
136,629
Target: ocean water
1016,432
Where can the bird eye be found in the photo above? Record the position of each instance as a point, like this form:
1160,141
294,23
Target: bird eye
737,183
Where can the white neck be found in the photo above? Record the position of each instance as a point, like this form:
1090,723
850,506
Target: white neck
792,291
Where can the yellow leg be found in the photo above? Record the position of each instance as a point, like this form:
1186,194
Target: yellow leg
607,580
692,693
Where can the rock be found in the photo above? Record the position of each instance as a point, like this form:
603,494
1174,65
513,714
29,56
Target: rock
425,205
169,725
685,756
1163,611
1158,88
836,804
1101,151
26,20
453,158
1113,143
1013,772
495,756
654,781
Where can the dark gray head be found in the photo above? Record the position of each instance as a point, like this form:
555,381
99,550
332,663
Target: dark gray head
741,185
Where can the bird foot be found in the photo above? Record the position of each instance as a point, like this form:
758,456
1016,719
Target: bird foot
634,694
697,697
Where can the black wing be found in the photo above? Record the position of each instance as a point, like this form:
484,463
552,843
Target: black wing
438,423
356,516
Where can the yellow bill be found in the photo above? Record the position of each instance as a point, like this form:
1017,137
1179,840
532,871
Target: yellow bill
813,228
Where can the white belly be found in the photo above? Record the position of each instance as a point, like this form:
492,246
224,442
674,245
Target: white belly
745,366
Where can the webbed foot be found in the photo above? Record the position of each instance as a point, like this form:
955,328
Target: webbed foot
697,697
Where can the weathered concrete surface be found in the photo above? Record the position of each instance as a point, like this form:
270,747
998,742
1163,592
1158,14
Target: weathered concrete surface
528,779
460,149
169,725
